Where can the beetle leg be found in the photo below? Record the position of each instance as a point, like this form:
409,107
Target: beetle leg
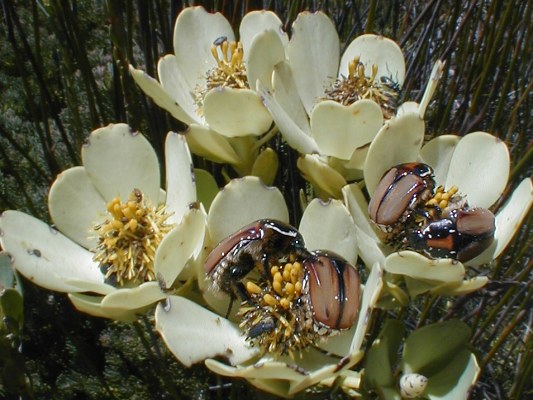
238,290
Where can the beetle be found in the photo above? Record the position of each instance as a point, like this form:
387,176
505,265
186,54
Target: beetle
399,192
391,84
293,319
257,243
333,290
463,234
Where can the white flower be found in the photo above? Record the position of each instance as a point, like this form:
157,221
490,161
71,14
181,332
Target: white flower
323,226
331,112
313,113
209,81
84,203
478,164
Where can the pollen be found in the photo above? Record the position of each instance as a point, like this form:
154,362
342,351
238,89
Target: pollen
441,199
277,317
358,85
230,70
128,239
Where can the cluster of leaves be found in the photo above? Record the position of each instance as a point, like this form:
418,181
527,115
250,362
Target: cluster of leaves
64,72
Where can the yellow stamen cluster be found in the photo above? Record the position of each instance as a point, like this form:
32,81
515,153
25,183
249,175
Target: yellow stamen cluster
229,72
442,198
277,316
357,86
129,238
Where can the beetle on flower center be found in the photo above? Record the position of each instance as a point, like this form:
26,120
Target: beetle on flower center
357,86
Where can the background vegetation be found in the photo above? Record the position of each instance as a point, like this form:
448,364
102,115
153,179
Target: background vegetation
63,73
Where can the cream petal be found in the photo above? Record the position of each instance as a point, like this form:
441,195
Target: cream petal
465,287
314,42
313,378
179,245
375,50
286,94
236,112
417,266
118,160
311,368
373,286
43,255
398,141
368,242
174,83
266,166
266,51
76,206
416,287
290,128
407,107
90,286
210,144
437,153
509,219
370,250
321,175
181,188
338,344
479,168
206,187
241,202
92,305
260,370
257,22
194,334
357,205
194,33
217,300
357,161
434,79
508,222
329,226
152,88
339,130
135,298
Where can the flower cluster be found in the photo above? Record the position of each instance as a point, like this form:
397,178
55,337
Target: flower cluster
237,286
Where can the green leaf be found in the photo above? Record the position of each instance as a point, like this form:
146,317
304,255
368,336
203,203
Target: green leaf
382,356
206,187
427,350
7,276
12,305
456,379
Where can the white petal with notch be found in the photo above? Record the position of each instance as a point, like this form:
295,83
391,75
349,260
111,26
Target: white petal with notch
480,168
241,202
315,43
43,255
181,188
118,160
329,226
76,206
339,130
236,112
193,333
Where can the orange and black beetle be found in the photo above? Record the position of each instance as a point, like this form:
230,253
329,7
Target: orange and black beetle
237,255
398,193
463,234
